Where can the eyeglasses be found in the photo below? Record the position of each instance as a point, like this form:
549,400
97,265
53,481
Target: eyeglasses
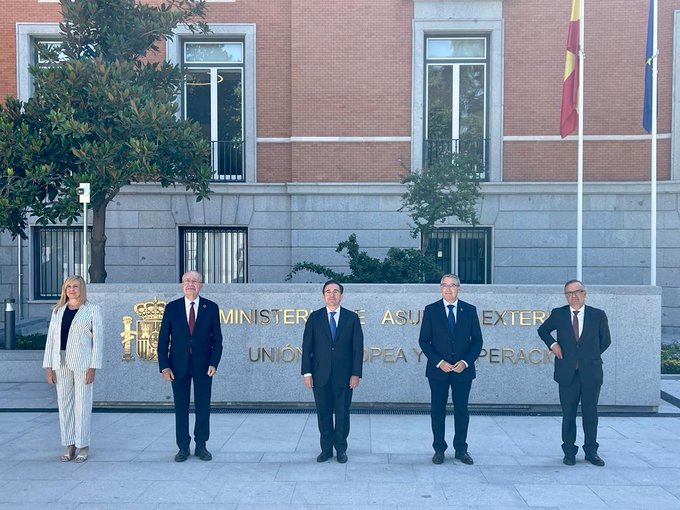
574,293
449,285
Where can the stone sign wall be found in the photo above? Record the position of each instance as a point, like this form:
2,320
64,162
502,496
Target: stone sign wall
262,325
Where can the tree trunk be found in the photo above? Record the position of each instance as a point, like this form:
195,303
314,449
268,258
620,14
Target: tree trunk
424,242
98,243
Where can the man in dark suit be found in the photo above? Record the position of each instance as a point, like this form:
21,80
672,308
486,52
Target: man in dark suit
451,338
189,348
582,337
332,359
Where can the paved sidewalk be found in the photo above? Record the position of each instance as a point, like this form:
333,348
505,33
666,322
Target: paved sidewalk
267,461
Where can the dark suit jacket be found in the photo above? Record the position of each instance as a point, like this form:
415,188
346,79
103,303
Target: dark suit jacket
320,354
438,344
595,339
174,339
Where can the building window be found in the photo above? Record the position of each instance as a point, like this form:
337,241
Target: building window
213,97
465,252
41,44
456,99
29,36
219,254
58,253
220,93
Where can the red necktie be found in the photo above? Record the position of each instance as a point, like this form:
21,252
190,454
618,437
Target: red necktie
192,318
574,325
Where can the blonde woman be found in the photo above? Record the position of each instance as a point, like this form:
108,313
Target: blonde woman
73,353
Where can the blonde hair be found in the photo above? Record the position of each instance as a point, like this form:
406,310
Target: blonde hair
63,298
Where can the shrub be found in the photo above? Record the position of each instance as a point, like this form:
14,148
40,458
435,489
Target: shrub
35,342
670,358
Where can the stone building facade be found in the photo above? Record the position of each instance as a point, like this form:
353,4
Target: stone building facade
316,109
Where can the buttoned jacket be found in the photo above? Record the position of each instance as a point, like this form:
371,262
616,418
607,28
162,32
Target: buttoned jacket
322,356
586,353
439,344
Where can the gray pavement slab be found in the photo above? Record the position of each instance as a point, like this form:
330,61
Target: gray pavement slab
268,461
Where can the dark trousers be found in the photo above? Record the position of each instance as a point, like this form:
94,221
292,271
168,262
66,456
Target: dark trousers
570,395
333,398
181,390
460,394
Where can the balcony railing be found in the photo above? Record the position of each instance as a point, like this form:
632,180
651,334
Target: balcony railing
441,150
228,161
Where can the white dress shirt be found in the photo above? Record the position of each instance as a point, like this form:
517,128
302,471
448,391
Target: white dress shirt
455,315
187,307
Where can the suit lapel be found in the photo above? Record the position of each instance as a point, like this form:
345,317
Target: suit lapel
442,316
460,313
342,323
182,316
201,316
325,323
568,322
587,323
60,314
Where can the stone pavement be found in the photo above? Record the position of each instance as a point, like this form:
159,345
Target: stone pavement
267,461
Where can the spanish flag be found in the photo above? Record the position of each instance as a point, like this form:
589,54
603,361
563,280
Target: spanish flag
569,115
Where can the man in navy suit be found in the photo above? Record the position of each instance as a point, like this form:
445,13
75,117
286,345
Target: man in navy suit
332,359
451,338
582,337
189,348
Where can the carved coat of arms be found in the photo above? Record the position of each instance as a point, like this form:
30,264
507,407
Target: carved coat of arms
146,330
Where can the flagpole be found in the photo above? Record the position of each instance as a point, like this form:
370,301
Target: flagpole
652,264
579,180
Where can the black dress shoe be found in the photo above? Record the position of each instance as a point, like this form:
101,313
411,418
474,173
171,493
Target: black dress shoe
182,455
465,458
342,457
324,456
438,458
203,453
595,460
569,460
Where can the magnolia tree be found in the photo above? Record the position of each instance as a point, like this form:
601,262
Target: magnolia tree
104,111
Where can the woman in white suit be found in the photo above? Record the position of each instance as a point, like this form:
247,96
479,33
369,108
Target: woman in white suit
73,352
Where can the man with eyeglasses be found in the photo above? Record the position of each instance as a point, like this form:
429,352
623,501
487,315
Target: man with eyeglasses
451,339
332,360
190,348
582,337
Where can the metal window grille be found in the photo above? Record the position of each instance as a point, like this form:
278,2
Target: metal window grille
465,252
219,254
58,253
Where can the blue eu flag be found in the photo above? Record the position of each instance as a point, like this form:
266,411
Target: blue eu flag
649,55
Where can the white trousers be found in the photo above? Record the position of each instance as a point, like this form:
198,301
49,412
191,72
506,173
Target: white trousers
74,398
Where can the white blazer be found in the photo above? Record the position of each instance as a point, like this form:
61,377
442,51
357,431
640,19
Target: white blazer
84,348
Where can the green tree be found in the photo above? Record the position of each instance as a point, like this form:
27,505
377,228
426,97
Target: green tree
399,266
448,187
103,112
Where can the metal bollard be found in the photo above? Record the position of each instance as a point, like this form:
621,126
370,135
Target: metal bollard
10,333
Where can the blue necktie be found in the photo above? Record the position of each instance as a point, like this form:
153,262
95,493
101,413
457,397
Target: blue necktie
333,327
452,319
